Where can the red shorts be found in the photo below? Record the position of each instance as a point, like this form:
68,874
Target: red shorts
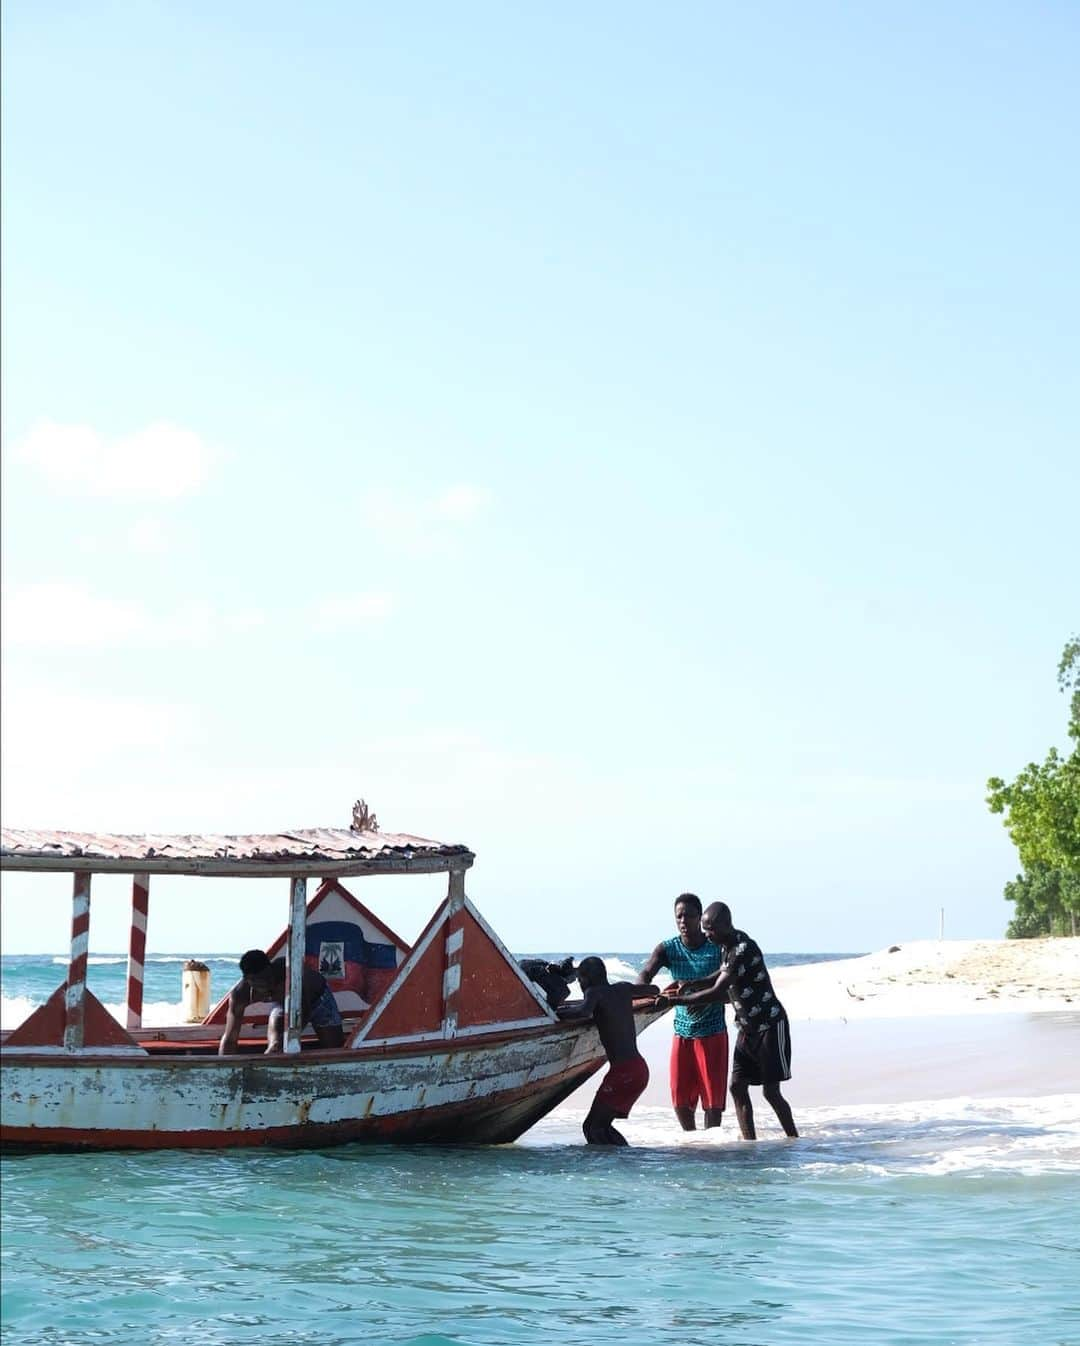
699,1071
623,1085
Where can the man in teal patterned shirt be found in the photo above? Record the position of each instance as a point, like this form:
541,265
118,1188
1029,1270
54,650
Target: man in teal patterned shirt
699,1048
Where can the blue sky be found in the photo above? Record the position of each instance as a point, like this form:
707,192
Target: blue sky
642,445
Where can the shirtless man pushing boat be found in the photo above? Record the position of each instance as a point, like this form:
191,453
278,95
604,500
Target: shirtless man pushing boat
611,1005
265,980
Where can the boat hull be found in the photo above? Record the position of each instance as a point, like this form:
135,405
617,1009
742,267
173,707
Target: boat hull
474,1090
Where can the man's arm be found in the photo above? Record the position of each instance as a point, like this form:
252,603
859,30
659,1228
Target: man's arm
233,1020
698,984
655,961
716,989
646,992
580,1009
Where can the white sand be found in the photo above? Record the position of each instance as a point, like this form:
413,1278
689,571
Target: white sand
936,978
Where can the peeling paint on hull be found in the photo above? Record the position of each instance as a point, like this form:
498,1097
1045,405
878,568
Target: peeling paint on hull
480,1092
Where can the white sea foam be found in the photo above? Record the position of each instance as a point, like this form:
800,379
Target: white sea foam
156,1014
14,1009
95,960
232,959
937,1138
619,970
109,959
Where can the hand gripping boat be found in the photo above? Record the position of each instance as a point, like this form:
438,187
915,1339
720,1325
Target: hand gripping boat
445,1041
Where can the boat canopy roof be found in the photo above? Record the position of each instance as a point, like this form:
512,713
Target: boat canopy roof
335,852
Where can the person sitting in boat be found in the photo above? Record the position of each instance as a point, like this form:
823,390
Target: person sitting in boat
265,980
611,1005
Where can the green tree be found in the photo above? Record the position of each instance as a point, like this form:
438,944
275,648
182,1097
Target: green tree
1045,902
1041,810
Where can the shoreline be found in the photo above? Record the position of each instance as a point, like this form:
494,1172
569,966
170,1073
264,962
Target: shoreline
927,1020
905,1060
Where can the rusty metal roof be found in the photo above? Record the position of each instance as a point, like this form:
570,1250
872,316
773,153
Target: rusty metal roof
316,850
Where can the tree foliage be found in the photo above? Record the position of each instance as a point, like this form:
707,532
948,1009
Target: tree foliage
1041,809
1069,681
1046,902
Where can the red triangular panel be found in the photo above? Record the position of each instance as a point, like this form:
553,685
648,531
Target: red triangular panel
45,1027
491,991
417,1005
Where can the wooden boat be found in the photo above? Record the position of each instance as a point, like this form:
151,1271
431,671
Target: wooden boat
446,1040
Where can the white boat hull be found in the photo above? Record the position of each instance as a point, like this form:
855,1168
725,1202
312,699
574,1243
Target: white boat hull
471,1090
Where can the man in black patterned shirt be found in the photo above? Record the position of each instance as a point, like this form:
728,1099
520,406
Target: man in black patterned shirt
763,1047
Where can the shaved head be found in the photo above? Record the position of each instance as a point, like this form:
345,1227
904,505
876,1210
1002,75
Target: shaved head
716,922
591,972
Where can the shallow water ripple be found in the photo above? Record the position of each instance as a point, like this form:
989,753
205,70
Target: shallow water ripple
841,1239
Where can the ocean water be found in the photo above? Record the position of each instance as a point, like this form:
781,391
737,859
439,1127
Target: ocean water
27,980
944,1222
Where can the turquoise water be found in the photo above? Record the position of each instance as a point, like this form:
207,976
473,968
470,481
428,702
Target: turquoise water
939,1222
838,1239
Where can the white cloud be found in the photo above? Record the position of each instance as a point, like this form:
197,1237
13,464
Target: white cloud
67,614
159,462
89,761
192,623
462,503
249,619
45,726
148,537
418,524
334,614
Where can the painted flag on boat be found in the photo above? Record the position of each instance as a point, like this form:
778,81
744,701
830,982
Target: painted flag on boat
349,960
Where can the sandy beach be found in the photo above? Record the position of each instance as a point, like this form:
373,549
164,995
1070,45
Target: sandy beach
937,977
928,1020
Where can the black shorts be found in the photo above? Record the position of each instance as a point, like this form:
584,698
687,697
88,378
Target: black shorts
762,1056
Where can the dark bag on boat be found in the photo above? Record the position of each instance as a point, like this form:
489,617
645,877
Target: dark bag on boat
552,978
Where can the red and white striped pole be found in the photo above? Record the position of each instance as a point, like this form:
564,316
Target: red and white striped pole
75,992
140,907
455,938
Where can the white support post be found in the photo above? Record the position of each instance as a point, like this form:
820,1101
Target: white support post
455,937
140,908
75,992
297,945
